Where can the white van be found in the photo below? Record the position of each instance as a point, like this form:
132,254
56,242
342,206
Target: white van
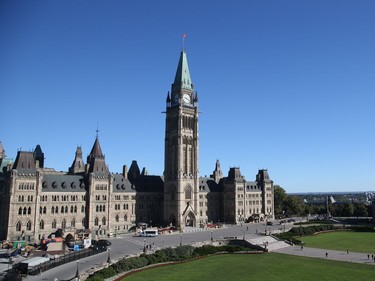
149,233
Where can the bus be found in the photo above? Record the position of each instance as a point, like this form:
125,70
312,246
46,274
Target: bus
149,233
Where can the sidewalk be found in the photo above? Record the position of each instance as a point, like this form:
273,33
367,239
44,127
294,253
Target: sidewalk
331,254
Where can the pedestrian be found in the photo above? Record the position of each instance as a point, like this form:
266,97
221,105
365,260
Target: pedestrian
368,256
326,255
347,251
301,247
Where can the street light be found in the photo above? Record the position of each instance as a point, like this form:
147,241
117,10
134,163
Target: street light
243,234
77,273
144,245
180,239
109,256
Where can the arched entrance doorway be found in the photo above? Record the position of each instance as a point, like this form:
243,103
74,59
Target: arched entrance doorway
190,219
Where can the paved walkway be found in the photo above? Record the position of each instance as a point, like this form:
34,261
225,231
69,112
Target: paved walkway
331,254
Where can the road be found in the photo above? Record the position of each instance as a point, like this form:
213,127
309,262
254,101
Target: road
128,244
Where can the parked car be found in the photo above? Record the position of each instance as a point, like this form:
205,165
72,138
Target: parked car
101,244
104,242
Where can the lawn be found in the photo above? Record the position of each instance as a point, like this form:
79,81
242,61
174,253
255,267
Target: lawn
265,267
361,242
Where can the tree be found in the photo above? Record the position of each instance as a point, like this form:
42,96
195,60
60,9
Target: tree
348,210
294,205
360,210
280,197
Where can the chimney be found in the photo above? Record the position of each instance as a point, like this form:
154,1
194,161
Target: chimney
125,172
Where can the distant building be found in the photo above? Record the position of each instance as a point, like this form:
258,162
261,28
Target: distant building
36,201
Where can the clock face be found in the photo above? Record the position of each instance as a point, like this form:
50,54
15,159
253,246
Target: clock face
186,98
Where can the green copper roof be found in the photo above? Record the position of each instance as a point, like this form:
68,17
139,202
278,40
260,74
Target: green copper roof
182,74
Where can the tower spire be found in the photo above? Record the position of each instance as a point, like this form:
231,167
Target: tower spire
182,79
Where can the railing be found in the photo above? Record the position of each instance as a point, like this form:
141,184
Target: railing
22,268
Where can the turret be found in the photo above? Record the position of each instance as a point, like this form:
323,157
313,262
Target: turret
39,156
134,172
217,174
96,160
77,166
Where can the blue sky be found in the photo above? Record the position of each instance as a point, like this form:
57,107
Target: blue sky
283,85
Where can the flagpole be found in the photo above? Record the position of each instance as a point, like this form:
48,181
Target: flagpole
183,41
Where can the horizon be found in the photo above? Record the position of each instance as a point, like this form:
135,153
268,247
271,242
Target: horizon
287,87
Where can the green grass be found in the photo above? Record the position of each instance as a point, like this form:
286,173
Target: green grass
361,242
265,267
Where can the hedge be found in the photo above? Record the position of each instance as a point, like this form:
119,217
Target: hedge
178,254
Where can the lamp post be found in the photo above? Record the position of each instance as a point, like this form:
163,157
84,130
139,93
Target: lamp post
144,245
109,256
212,238
243,234
180,239
77,273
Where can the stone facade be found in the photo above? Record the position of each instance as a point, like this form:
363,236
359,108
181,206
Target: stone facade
37,201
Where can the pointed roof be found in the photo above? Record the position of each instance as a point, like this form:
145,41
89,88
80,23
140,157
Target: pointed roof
182,79
96,160
96,151
38,151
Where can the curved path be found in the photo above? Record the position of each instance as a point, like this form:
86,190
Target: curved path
328,254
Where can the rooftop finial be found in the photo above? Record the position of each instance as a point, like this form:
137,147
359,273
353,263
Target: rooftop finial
183,41
97,130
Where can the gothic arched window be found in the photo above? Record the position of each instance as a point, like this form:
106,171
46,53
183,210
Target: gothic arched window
18,226
188,192
54,223
63,224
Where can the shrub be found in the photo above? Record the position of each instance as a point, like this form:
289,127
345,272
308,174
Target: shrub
362,228
181,253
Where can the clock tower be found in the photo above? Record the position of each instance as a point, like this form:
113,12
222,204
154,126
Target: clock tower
181,176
